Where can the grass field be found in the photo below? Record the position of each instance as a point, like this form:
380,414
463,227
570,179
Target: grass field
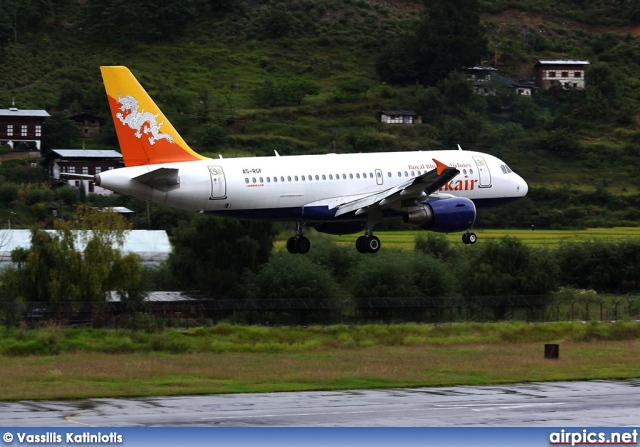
231,359
405,240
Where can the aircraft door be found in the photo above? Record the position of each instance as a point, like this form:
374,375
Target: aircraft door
379,177
483,172
218,183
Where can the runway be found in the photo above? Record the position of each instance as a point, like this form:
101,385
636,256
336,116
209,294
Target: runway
566,404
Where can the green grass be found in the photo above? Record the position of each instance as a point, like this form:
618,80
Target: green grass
405,240
260,359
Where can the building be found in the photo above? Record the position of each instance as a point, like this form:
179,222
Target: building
152,246
22,126
563,73
62,164
525,88
399,117
88,123
487,81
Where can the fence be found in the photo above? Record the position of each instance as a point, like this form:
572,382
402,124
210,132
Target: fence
305,311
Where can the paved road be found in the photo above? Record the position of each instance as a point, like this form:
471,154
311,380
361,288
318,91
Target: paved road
566,404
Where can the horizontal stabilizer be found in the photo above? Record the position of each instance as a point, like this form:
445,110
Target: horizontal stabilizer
163,179
73,176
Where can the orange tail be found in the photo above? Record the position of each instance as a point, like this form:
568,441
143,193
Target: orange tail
145,135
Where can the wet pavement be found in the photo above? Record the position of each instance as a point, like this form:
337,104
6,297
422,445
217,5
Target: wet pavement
594,403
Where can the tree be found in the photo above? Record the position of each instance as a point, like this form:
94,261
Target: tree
210,254
506,268
80,261
285,91
118,21
58,131
448,37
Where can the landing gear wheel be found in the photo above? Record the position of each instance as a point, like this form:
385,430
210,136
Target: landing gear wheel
291,245
361,244
469,238
302,245
298,245
368,244
373,244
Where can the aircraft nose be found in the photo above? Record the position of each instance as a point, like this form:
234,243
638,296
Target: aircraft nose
522,186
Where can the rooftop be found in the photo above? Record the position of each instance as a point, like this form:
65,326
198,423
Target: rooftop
86,153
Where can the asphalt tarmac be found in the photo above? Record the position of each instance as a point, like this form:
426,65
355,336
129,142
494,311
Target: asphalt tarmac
566,404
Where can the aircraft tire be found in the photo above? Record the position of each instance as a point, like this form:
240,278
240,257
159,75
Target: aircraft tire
465,238
361,244
472,238
291,245
302,245
373,244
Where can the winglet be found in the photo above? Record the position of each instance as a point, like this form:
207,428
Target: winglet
440,167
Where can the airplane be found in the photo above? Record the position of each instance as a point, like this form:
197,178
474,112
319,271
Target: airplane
334,193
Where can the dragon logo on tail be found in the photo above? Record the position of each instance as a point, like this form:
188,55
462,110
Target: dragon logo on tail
137,120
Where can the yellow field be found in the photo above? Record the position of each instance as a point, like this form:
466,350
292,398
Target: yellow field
405,240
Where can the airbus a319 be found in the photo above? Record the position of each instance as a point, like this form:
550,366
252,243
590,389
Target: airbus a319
333,193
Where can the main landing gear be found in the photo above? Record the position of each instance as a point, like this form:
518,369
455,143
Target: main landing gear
368,243
298,244
469,238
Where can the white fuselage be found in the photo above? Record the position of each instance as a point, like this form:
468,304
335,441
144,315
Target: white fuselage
285,188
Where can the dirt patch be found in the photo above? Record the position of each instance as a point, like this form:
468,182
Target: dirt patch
519,17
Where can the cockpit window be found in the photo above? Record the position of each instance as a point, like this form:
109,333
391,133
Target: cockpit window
505,169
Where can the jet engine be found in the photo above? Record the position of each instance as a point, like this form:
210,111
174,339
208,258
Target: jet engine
444,215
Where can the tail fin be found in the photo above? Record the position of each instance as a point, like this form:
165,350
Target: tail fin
144,133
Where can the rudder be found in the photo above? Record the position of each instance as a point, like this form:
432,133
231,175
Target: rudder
145,135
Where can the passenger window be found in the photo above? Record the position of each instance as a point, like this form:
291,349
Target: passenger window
351,176
303,178
282,179
275,180
317,178
288,178
268,179
406,174
389,174
330,177
253,180
246,180
261,180
324,177
413,174
344,176
357,175
296,178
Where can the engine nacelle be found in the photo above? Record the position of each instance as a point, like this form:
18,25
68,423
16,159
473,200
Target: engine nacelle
444,216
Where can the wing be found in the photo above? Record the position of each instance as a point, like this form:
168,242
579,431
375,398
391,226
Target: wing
417,188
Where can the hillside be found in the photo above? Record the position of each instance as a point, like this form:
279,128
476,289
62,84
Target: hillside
204,66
